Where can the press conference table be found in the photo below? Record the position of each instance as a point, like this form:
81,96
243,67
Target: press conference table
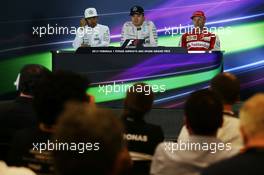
174,67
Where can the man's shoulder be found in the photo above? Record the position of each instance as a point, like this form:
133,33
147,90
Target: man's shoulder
167,161
148,23
210,34
15,170
227,166
26,134
153,126
144,127
230,121
231,118
167,152
20,104
163,148
128,24
5,109
186,34
6,106
105,27
26,137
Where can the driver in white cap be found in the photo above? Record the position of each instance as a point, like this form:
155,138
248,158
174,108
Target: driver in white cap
91,34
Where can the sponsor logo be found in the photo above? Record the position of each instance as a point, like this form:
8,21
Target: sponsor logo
208,38
136,137
191,38
198,44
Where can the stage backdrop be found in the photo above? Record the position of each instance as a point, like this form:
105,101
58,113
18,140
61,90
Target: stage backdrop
30,29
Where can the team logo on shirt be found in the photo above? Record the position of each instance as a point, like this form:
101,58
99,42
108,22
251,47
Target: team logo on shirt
208,38
191,38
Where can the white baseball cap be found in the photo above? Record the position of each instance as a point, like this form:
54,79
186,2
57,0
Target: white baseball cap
90,12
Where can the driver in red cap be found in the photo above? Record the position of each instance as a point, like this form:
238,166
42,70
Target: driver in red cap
199,39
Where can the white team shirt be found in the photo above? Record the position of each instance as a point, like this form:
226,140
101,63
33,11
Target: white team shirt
99,36
147,31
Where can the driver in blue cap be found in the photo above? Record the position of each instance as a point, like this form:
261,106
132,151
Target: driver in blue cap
139,28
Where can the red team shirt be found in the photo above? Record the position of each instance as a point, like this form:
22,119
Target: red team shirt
204,41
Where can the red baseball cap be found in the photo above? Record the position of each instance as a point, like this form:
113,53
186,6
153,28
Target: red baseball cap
198,13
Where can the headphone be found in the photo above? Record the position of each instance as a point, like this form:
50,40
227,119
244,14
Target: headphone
16,83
